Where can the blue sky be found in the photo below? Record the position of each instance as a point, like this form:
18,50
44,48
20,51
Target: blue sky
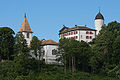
46,17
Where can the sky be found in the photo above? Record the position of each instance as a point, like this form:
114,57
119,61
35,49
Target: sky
47,17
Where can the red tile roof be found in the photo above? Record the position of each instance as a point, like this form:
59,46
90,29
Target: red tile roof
49,42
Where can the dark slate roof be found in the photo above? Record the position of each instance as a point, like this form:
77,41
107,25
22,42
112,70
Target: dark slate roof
99,16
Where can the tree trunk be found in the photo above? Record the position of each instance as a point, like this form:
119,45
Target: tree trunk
72,65
65,65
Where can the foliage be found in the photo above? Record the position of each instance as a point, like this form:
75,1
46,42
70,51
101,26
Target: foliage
36,46
74,54
6,43
97,60
106,50
20,45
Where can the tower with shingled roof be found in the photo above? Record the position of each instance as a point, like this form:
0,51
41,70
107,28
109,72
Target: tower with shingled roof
26,30
99,22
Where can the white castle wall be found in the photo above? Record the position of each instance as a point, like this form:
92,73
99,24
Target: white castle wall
81,34
98,25
48,56
27,39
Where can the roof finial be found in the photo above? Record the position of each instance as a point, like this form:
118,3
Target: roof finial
25,15
99,9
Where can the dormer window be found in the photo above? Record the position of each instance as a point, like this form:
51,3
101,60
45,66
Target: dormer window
27,35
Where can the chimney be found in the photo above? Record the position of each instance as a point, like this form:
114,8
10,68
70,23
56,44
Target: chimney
85,25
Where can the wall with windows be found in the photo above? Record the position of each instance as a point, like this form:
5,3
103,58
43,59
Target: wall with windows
85,35
28,37
50,54
69,35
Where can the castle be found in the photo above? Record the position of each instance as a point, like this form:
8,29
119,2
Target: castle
83,32
77,32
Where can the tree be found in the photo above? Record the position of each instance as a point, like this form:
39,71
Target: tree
83,56
6,43
62,52
21,46
74,54
36,46
106,48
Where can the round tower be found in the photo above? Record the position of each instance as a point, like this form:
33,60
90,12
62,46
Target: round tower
99,22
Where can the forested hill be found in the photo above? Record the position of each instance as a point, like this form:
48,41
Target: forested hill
97,60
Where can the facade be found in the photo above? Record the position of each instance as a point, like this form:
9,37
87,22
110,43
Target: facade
78,33
83,32
50,48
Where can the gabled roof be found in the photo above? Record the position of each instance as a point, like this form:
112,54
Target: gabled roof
25,27
49,42
63,30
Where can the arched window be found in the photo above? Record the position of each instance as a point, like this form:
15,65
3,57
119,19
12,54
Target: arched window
54,52
27,35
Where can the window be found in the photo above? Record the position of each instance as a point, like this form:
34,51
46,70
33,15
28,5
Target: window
54,52
71,33
76,32
43,52
87,37
91,33
87,32
90,37
27,35
76,37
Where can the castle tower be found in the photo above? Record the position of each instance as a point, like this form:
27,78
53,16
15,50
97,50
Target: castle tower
26,30
99,22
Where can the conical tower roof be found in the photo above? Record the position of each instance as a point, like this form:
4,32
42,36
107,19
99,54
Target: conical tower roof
99,16
25,27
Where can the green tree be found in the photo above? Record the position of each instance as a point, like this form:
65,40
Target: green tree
106,48
20,46
83,56
74,54
62,52
36,47
6,43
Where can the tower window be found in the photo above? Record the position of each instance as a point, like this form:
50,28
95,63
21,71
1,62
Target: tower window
27,35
